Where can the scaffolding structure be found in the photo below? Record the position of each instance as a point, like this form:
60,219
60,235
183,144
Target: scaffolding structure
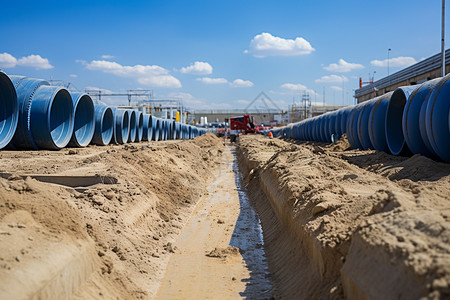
165,108
300,110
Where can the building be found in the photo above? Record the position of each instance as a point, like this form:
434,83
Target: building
420,72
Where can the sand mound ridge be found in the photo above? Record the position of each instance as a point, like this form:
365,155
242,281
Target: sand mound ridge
354,224
117,236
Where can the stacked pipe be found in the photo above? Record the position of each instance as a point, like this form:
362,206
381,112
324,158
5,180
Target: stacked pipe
410,120
36,115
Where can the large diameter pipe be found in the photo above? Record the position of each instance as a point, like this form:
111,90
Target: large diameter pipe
84,122
104,125
51,118
133,126
121,125
169,129
411,119
9,110
158,129
352,127
377,123
394,115
162,130
25,88
177,130
139,126
148,128
436,119
363,124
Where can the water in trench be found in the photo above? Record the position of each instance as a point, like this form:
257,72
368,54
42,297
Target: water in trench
247,236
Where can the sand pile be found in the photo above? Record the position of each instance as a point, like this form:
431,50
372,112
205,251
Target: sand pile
109,239
355,224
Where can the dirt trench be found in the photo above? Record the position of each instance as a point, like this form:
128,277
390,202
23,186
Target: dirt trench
109,236
172,220
340,223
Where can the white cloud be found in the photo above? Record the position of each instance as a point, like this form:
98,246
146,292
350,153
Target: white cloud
73,75
242,102
400,61
295,87
209,80
34,61
7,60
336,88
332,79
265,44
343,66
241,83
167,81
150,75
198,68
106,56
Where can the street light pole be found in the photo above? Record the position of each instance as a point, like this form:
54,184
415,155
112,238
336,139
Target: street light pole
389,51
443,38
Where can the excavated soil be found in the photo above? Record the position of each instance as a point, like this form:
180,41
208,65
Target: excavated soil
340,223
172,220
98,222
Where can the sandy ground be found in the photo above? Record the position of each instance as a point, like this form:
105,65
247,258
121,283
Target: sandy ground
172,220
345,223
105,238
205,265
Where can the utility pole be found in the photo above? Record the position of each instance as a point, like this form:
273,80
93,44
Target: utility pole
389,51
443,38
323,100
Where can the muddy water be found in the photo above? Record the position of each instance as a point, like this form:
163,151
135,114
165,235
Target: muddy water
223,219
247,236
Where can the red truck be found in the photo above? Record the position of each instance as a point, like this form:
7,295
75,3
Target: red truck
243,124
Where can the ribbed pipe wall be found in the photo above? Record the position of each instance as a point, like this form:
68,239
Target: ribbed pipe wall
9,110
104,125
35,115
84,123
409,120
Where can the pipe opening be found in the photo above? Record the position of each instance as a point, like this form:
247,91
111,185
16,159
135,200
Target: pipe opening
125,126
8,110
107,126
60,118
394,116
84,122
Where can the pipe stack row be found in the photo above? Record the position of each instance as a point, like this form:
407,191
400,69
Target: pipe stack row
410,120
36,115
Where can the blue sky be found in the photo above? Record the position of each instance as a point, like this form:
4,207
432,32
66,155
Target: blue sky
217,54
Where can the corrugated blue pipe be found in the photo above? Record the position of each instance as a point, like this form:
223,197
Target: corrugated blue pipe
84,123
177,130
139,126
436,119
163,130
9,110
168,129
411,119
394,115
25,89
104,125
121,125
377,123
45,115
156,122
363,124
133,126
352,127
51,119
148,128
